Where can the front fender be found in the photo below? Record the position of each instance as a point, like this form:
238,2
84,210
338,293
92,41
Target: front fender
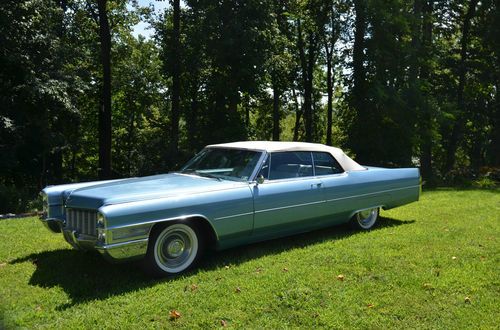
228,213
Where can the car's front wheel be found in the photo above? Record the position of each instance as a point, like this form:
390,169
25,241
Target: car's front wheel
173,248
365,219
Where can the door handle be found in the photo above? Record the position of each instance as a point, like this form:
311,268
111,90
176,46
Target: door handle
316,185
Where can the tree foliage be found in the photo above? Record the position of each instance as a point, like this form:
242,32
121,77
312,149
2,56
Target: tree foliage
395,83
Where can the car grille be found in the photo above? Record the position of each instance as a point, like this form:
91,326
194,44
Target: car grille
83,221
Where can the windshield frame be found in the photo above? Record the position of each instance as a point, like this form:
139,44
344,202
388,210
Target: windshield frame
252,176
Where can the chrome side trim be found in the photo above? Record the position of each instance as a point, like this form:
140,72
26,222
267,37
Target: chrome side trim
303,178
335,199
233,216
289,206
152,222
122,244
368,194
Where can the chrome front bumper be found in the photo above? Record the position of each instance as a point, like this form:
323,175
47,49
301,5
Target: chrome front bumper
114,252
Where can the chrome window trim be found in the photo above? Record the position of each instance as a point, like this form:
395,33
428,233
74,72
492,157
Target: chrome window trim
269,154
260,162
312,161
333,157
252,176
293,178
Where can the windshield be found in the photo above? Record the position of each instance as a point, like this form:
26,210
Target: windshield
223,163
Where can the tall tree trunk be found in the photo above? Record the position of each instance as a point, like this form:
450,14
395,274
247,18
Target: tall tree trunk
276,113
105,102
458,127
329,47
358,55
308,89
357,139
192,122
425,119
416,51
307,66
329,87
421,41
495,143
56,159
176,88
298,115
495,140
130,136
56,168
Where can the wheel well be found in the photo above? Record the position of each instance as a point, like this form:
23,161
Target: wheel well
367,208
203,225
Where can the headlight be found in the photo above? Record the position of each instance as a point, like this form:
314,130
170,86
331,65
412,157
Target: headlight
100,220
101,231
101,236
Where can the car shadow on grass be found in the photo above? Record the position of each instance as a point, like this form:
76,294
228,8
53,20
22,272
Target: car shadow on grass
235,256
86,276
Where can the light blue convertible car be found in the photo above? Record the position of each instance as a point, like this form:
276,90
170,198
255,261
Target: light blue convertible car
227,195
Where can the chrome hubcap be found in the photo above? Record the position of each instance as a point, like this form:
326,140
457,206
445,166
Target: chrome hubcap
367,218
175,248
365,214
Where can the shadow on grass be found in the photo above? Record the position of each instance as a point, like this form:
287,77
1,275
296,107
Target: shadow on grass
86,276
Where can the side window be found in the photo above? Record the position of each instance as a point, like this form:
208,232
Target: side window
286,165
325,164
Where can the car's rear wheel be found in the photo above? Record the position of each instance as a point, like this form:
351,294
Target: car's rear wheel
365,219
173,248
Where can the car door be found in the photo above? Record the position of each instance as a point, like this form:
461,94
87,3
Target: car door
337,186
290,194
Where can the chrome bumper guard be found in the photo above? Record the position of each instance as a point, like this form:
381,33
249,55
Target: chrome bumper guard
53,224
124,251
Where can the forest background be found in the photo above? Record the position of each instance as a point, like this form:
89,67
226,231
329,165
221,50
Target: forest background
392,82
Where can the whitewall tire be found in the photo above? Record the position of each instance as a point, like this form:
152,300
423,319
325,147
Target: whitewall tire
365,219
173,248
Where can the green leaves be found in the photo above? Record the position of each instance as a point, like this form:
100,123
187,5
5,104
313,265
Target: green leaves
254,70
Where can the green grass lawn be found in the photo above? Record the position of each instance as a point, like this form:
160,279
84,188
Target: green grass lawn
431,264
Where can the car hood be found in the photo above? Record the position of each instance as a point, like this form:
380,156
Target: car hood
145,188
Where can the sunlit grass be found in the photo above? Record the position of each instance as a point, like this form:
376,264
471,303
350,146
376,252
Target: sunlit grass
431,264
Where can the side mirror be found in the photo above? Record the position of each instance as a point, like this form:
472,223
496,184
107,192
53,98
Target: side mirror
260,179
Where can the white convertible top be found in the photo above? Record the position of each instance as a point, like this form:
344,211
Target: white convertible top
345,161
